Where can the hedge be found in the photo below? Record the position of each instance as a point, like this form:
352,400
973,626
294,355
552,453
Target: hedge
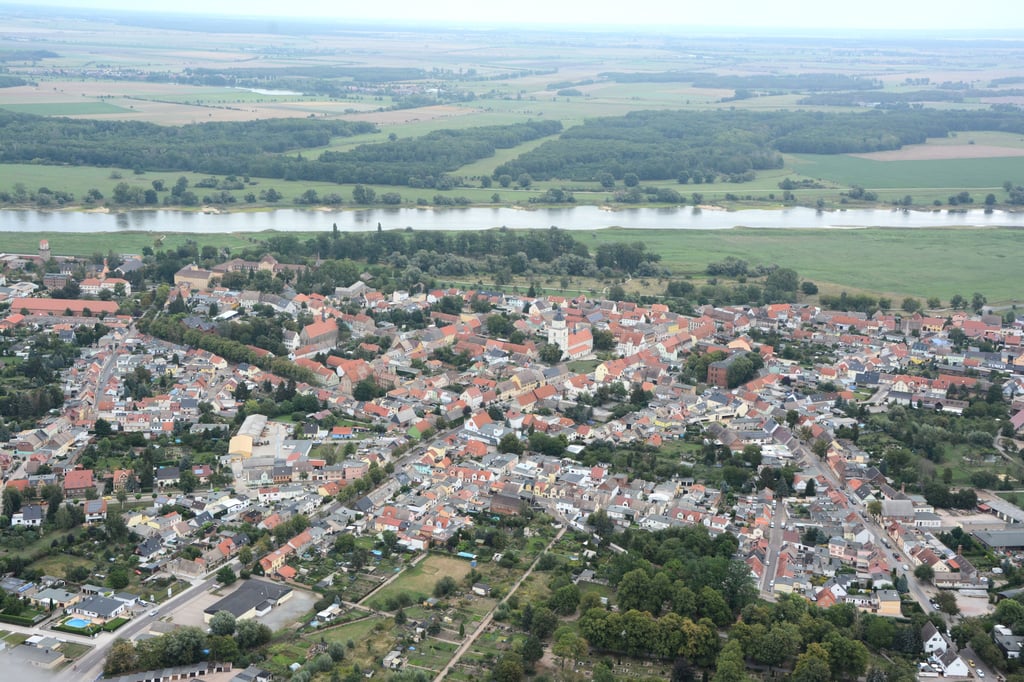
17,620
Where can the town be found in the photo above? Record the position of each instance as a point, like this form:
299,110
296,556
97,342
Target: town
413,467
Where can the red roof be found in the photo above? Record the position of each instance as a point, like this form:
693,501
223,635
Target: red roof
57,306
78,479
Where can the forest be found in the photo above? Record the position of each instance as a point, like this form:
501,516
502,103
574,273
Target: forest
220,148
423,161
687,146
700,146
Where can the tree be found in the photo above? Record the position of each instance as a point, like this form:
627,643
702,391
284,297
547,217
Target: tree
509,668
550,353
875,508
911,305
362,194
101,427
120,659
924,573
183,646
879,632
509,443
222,648
187,481
947,602
847,657
778,645
336,650
222,623
119,578
730,666
564,600
226,576
812,666
12,502
809,288
532,651
543,622
570,646
978,301
251,634
630,180
711,604
445,587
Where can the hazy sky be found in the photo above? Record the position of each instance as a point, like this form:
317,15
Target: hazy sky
994,15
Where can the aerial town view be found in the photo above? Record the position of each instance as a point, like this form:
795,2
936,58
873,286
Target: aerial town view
418,344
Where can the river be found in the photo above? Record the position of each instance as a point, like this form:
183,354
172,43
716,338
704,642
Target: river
478,218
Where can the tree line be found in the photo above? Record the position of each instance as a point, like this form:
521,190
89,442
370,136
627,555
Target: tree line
800,82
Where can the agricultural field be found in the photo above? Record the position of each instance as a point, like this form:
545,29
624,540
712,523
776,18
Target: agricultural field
902,171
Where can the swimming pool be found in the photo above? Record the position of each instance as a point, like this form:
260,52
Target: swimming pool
77,623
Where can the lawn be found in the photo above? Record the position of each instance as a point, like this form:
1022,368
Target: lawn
74,650
357,631
432,653
58,564
420,580
14,638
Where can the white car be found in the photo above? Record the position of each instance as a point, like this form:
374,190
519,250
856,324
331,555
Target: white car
981,673
154,612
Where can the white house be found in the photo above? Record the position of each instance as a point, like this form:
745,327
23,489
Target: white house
932,640
951,663
100,607
30,515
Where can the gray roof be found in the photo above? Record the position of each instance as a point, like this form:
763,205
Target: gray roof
103,606
1001,538
249,594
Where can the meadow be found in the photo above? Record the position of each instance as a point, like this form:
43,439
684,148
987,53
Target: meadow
949,175
420,579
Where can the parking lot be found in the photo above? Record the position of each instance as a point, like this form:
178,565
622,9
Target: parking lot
191,612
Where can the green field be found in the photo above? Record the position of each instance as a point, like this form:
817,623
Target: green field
952,175
420,579
915,262
65,108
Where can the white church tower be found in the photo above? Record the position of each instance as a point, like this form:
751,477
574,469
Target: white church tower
558,333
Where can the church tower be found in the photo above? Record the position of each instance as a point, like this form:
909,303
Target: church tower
44,249
558,333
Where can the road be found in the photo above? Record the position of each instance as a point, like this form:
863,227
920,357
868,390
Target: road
90,666
779,519
468,642
893,554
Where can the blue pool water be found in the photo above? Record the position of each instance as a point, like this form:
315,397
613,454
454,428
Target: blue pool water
78,623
